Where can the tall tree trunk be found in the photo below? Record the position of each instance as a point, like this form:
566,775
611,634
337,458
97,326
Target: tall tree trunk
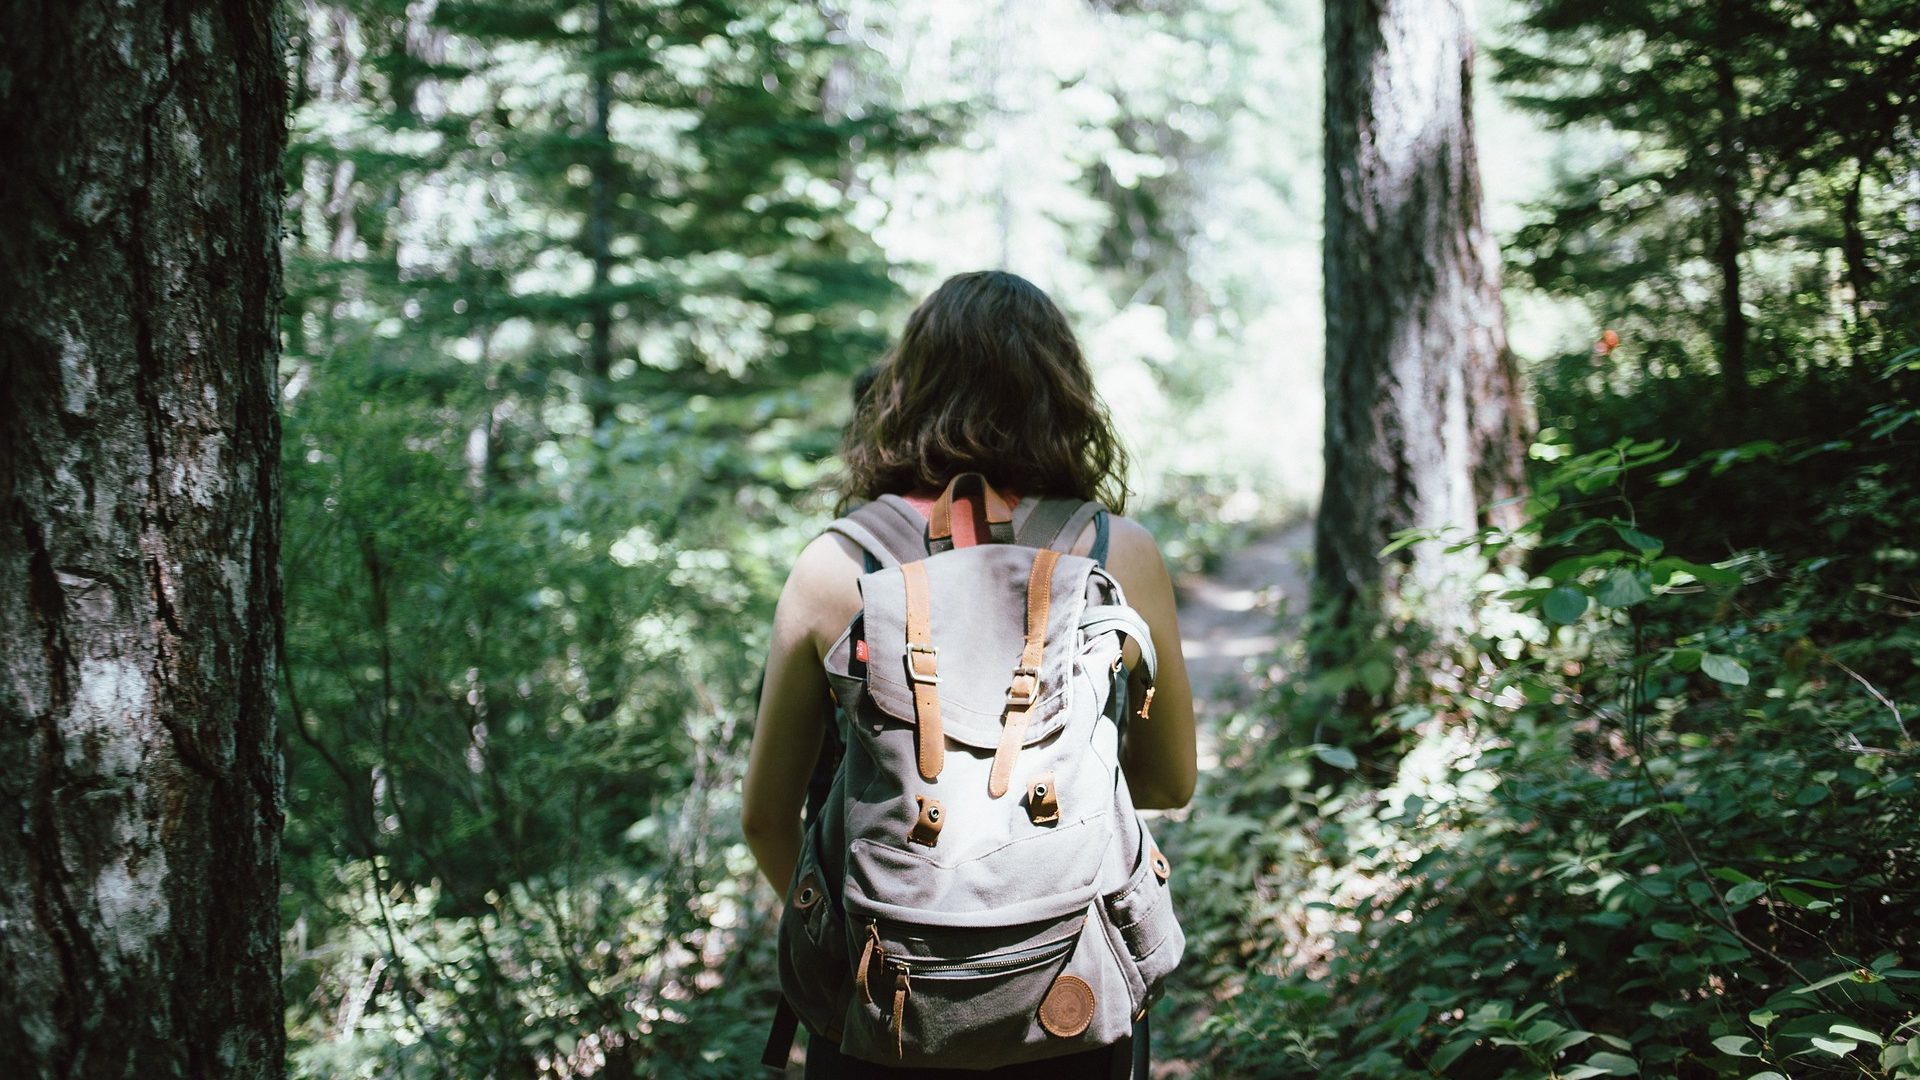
1425,416
139,588
1853,240
1730,224
600,219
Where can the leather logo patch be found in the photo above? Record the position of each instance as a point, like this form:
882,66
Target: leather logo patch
1068,1007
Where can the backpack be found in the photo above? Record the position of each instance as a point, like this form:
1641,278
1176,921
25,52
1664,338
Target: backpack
978,889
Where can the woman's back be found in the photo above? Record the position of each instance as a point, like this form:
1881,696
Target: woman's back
964,393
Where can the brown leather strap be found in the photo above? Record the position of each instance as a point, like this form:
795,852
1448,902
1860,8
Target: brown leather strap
1025,688
870,953
923,668
940,517
900,1014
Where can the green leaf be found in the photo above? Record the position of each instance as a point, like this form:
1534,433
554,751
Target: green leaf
1541,1030
1405,538
1614,1064
1737,1045
1450,1053
1376,676
1638,540
1687,659
1811,795
1836,1047
1809,902
1850,1031
1337,756
1746,891
1565,604
1623,587
1766,1076
1724,668
1831,979
1568,1040
1665,570
1635,815
1569,568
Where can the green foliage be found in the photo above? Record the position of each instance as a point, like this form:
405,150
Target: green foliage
556,407
1762,147
1654,824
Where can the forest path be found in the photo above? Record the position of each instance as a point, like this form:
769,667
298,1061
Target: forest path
1234,615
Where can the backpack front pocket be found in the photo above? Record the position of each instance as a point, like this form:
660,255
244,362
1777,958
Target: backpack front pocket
1051,991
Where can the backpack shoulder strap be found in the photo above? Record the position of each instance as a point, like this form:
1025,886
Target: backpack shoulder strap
1057,523
888,528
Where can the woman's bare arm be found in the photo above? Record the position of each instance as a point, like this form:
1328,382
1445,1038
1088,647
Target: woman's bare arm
819,598
1159,756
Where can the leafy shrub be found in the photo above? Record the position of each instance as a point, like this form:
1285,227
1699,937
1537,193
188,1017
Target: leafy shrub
1659,820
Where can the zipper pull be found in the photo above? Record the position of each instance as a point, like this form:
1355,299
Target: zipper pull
900,1010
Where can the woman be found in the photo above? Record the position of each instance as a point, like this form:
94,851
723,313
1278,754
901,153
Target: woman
987,378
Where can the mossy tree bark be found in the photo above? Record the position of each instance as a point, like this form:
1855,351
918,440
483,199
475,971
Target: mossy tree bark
139,589
1426,419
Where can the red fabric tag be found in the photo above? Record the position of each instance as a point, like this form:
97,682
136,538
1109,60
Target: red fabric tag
860,651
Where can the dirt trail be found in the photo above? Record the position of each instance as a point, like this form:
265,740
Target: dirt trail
1232,616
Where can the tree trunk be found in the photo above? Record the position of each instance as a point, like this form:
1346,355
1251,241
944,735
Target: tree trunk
1730,228
139,581
1426,420
1853,241
600,219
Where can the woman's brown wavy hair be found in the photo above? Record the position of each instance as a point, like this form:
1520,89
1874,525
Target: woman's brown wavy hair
986,378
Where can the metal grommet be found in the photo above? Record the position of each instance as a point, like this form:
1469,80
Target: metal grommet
1043,799
808,894
1160,868
927,823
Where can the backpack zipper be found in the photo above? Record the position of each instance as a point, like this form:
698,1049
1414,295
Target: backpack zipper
1005,964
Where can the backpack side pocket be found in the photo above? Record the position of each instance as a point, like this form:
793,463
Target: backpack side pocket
1141,923
816,974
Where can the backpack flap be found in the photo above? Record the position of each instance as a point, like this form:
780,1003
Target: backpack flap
976,613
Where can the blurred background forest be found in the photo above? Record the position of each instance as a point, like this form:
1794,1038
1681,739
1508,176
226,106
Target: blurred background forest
575,294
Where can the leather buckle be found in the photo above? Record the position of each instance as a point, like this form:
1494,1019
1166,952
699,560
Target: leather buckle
1018,698
931,676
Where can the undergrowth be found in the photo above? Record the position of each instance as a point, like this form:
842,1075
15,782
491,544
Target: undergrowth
1658,820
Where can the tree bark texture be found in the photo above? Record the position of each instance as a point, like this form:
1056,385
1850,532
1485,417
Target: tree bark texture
1426,420
140,784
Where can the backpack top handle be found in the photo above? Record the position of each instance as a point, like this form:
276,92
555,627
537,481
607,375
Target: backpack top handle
940,520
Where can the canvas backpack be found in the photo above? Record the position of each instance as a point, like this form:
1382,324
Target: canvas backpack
977,889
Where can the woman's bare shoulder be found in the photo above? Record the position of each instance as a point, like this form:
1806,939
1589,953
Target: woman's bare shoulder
1132,551
823,590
